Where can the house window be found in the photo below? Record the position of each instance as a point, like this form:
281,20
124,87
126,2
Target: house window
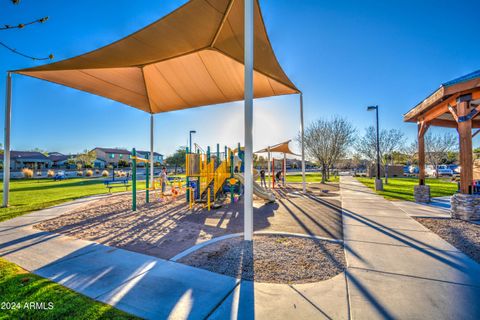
120,156
112,155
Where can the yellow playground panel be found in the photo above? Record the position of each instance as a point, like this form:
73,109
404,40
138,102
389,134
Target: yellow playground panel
211,176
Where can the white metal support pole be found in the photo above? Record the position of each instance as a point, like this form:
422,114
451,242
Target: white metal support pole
268,168
151,150
248,92
302,132
284,169
6,152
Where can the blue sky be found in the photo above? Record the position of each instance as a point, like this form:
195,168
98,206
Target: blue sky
344,55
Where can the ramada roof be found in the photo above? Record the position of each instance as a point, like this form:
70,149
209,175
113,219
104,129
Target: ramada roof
446,94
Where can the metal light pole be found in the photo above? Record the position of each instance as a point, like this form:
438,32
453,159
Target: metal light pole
190,141
378,180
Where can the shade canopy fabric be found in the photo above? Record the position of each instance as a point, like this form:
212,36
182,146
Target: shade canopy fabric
281,148
191,57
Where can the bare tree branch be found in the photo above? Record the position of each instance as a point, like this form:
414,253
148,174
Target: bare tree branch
326,141
437,147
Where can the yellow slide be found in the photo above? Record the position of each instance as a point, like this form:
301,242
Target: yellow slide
257,189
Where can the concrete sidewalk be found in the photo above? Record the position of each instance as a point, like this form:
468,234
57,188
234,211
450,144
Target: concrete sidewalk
154,288
398,269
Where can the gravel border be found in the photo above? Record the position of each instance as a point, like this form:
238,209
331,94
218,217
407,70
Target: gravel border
272,259
463,235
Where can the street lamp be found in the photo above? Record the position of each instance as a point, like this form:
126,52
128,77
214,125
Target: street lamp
190,141
378,180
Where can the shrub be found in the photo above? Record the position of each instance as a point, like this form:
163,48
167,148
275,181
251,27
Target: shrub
50,173
27,173
79,173
123,163
88,173
105,173
97,171
39,173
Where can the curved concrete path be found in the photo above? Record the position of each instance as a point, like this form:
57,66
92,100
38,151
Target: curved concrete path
154,288
398,269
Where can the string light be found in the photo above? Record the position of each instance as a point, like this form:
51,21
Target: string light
50,56
23,25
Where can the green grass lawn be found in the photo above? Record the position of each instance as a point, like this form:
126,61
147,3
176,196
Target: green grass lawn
35,194
402,188
310,177
22,288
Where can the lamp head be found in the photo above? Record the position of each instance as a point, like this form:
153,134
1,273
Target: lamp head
193,131
371,108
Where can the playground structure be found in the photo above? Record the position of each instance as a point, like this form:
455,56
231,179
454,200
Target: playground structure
153,186
284,149
211,175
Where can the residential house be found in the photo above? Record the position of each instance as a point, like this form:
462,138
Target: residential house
112,156
99,163
157,157
59,160
29,159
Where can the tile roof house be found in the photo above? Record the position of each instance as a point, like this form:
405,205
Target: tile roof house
29,159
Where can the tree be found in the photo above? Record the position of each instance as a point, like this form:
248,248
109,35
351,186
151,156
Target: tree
86,158
411,151
437,147
177,159
326,141
21,26
390,141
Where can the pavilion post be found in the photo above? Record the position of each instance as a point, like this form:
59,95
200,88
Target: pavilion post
6,151
421,155
302,133
151,149
421,192
248,92
465,133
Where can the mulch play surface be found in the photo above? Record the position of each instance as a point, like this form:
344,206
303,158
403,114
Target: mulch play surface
165,229
271,258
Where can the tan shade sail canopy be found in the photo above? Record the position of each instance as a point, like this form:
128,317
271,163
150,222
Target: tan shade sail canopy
189,58
281,148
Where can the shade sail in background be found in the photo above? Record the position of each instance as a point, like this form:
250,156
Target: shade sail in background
281,148
191,57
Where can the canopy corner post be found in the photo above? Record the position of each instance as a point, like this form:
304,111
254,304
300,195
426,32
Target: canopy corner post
248,96
152,123
302,134
6,151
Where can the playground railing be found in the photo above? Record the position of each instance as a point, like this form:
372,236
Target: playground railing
222,173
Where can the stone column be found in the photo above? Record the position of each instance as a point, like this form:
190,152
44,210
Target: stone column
465,206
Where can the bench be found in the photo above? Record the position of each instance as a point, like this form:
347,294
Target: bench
116,183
